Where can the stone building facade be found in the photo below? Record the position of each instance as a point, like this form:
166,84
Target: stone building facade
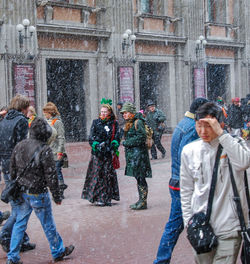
76,57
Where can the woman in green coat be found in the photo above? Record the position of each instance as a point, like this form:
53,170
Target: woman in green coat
136,152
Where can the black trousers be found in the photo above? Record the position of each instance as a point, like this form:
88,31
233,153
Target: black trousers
157,143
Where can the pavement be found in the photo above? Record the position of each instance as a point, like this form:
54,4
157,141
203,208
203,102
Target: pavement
113,234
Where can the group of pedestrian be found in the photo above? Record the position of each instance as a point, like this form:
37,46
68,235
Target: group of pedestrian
195,142
237,116
39,145
27,158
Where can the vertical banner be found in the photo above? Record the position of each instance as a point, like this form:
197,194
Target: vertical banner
24,80
126,84
199,82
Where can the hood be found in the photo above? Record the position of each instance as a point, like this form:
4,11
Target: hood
13,114
40,129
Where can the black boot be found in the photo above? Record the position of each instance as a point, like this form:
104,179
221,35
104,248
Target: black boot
143,194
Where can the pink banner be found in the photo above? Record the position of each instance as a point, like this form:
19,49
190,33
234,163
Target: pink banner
199,83
24,81
126,81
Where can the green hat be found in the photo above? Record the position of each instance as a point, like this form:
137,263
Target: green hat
128,107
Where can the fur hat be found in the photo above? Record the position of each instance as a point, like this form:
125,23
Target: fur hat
128,107
197,103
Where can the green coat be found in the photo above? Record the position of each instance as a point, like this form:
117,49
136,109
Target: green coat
136,151
154,119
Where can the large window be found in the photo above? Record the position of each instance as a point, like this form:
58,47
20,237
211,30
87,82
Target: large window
217,11
155,7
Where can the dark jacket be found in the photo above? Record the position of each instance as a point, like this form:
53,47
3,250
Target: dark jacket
13,129
136,151
42,173
101,131
235,117
154,119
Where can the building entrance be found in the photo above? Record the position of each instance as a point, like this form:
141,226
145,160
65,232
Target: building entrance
65,86
153,84
217,80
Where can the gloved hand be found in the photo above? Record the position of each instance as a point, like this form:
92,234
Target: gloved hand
95,145
114,145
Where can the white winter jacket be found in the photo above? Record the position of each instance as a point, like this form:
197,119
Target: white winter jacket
197,162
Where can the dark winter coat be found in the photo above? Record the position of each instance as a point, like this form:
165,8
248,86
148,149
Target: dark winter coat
13,129
42,173
136,151
235,117
101,131
154,119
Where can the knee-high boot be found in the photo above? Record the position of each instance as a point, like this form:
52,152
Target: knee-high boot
142,203
133,206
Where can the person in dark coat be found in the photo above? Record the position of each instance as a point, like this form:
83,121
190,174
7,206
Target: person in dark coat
40,174
235,117
13,129
136,153
101,184
155,119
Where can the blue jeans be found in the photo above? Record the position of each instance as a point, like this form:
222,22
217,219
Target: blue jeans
6,231
172,230
41,204
59,164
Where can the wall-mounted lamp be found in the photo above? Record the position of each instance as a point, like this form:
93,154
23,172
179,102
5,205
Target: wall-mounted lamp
127,39
25,32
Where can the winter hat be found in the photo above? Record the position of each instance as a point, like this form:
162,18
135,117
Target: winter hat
150,102
128,107
107,103
40,129
237,99
120,103
197,103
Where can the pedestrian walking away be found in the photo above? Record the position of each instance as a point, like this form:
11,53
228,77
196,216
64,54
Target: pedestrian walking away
33,166
136,153
197,163
155,119
183,134
101,184
13,129
57,143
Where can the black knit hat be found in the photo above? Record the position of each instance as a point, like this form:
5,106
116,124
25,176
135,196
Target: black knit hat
197,103
150,102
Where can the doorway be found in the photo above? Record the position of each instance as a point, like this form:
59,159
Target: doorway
154,83
65,87
217,80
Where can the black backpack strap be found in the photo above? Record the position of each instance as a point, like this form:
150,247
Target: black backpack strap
247,192
237,199
213,183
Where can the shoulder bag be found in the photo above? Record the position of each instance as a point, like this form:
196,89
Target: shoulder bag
199,231
12,190
245,231
115,157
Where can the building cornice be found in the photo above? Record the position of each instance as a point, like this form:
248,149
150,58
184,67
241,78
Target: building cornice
160,37
72,30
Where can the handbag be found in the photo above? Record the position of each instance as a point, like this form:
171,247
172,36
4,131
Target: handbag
115,157
245,232
65,160
199,231
13,189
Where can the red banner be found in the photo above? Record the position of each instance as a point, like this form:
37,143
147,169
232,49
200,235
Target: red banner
24,81
199,82
126,81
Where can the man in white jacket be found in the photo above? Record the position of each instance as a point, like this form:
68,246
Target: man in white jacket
197,164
